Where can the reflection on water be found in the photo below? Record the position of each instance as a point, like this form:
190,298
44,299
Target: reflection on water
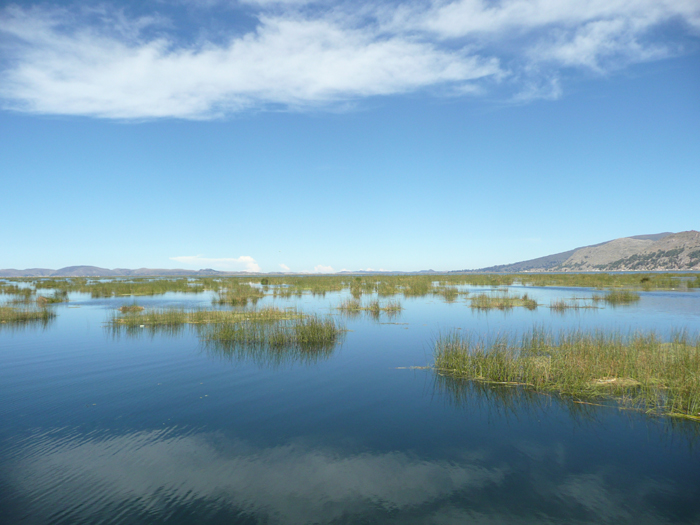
28,325
116,331
175,476
159,424
269,356
374,315
515,401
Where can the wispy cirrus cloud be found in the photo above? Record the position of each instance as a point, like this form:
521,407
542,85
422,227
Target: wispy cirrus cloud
317,54
242,263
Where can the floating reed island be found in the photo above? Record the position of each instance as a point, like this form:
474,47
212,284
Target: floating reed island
639,371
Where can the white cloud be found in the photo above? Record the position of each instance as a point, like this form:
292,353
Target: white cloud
285,267
289,60
243,263
323,269
111,66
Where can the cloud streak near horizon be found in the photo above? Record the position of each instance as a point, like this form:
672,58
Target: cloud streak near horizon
298,56
242,263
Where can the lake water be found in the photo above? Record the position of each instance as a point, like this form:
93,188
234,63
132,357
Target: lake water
157,428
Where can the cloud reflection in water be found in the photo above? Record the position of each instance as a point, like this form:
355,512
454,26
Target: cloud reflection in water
170,475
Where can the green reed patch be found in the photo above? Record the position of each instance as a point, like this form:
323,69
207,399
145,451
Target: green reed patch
561,305
131,308
9,314
180,316
618,297
502,301
304,340
59,296
240,294
639,371
301,332
355,305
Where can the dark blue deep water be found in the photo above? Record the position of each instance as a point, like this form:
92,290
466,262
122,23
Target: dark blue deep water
157,428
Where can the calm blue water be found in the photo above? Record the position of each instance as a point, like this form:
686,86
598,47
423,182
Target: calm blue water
160,429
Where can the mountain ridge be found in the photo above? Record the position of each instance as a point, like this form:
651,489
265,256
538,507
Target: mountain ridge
665,251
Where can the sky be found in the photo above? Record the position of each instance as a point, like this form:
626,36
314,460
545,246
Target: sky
329,135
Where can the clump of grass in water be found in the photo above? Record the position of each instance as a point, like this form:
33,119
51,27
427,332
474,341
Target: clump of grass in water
640,371
180,316
502,302
303,332
59,296
448,293
350,305
305,340
617,297
11,315
561,305
393,306
240,295
373,307
131,308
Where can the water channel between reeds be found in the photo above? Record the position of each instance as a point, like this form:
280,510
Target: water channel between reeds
308,407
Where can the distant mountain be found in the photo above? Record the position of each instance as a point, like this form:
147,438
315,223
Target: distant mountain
94,271
657,252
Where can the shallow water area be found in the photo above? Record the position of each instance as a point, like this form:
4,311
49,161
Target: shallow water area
154,426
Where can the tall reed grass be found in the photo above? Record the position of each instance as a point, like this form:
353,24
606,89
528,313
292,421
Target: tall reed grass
137,316
502,301
10,315
639,371
302,333
618,297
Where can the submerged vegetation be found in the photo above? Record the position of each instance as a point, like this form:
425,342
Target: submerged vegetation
640,371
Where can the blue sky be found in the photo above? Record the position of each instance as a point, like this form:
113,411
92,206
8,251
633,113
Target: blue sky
326,135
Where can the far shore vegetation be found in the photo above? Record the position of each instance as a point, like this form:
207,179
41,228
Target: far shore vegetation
639,371
247,290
